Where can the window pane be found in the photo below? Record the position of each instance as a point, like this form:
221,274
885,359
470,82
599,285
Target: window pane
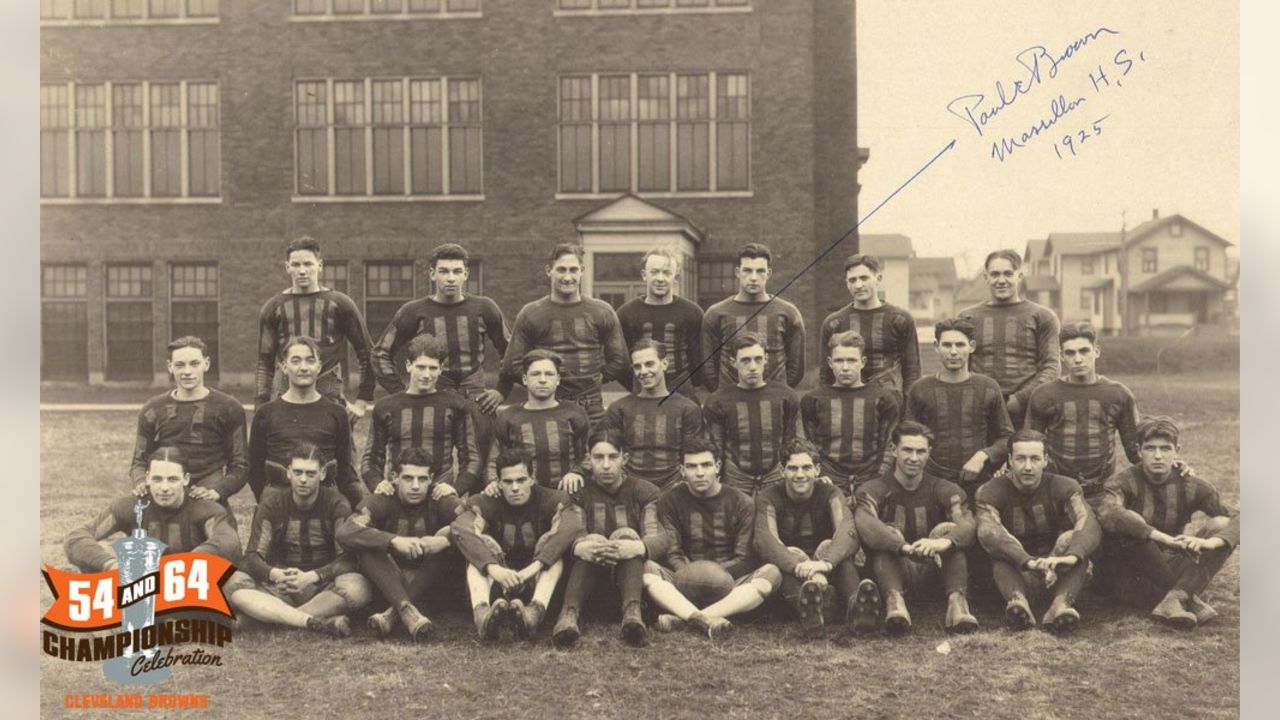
386,6
64,281
424,6
198,318
55,9
128,281
55,153
732,156
575,99
194,281
64,341
127,144
574,4
691,154
348,7
464,101
427,159
309,7
424,102
389,280
126,8
333,275
615,138
129,353
614,4
388,161
90,8
313,164
202,140
464,160
165,8
463,5
202,8
653,3
654,157
691,3
575,158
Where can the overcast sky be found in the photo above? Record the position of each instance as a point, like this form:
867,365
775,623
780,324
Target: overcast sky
1170,139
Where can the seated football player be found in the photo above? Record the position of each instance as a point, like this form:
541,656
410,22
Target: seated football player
170,514
620,518
709,528
1040,534
1150,555
514,545
295,573
400,541
806,529
915,529
552,433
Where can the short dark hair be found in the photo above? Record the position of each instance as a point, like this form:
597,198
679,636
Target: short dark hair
429,345
187,341
412,456
306,242
1077,330
958,324
1027,435
600,434
304,451
537,354
562,249
744,340
168,453
696,445
871,261
298,340
848,338
649,344
801,446
755,250
911,428
1156,427
448,251
1011,255
512,456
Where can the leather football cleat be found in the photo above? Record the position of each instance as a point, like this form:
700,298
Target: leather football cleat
812,594
489,619
337,626
634,633
668,623
418,625
865,608
1017,613
565,634
383,623
959,619
1203,611
525,619
1061,618
1170,611
897,621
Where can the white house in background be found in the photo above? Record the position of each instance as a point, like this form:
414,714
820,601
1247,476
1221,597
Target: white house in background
932,289
894,252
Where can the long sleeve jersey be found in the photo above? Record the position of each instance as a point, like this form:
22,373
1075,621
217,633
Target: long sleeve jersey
965,417
585,333
751,427
716,528
783,522
1015,525
633,505
439,422
1017,345
891,345
1081,422
464,326
654,430
381,518
852,427
209,431
779,326
555,437
330,318
194,526
884,504
1134,504
677,326
517,529
279,425
284,535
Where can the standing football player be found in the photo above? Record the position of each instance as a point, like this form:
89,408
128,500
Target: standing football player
660,315
892,353
551,433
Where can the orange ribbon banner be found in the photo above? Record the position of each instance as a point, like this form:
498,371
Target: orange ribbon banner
93,601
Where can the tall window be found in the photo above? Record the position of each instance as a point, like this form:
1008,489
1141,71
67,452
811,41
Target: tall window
387,286
1086,266
129,322
95,140
128,11
1150,260
366,9
334,276
1086,300
634,6
716,280
423,136
193,308
1202,259
64,322
654,133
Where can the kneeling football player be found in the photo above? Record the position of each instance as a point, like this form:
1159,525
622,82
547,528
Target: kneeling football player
512,543
620,516
400,541
1040,533
709,528
1150,555
806,529
914,526
295,573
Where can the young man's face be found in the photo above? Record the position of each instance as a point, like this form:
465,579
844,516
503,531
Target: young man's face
863,283
450,277
954,349
300,366
424,372
541,379
1002,279
749,362
846,365
753,275
1027,460
167,483
911,453
800,472
413,482
516,484
304,270
565,274
659,275
188,366
648,368
701,472
606,465
1079,357
1158,455
305,477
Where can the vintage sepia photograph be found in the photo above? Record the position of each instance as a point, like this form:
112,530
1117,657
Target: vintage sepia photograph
639,358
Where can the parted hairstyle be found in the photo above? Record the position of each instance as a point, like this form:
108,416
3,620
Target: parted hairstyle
911,428
696,445
611,436
304,451
537,354
306,242
168,453
1073,331
187,341
744,340
565,249
871,261
1011,255
802,446
298,340
755,250
848,338
412,456
1157,426
960,325
1027,435
649,344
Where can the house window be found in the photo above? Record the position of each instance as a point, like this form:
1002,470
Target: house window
716,280
614,278
1042,267
1150,260
919,300
1106,264
333,275
1175,229
381,9
127,11
64,322
193,307
95,140
654,133
387,286
1202,259
1086,266
1086,300
129,322
641,6
1159,303
423,134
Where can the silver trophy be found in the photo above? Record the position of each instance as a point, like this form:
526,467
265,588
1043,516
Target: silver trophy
137,556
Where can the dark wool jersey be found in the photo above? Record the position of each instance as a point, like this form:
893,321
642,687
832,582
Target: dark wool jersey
381,518
783,523
717,528
464,326
634,505
194,526
555,437
884,503
780,326
517,529
889,332
654,430
1081,422
965,417
439,422
750,427
1134,504
1014,525
677,326
279,425
585,333
330,318
1017,345
851,426
209,431
286,536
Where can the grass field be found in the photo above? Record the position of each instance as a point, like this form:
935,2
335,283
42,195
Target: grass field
1118,665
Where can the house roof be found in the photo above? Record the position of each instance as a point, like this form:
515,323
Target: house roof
942,269
1175,273
1039,283
1097,242
885,246
1035,250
